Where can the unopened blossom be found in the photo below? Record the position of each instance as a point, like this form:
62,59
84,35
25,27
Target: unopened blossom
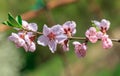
80,49
91,34
103,25
29,26
69,29
51,36
106,42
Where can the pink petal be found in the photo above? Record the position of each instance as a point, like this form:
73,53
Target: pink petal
26,47
32,47
57,29
93,39
43,40
61,38
33,27
71,24
99,35
52,46
105,24
25,24
46,30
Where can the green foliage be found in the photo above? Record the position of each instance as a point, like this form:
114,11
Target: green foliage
13,22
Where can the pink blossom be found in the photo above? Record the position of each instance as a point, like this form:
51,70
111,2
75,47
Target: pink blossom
69,28
80,49
91,34
106,42
23,40
51,36
103,25
29,26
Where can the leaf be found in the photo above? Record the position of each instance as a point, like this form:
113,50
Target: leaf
13,21
10,24
5,23
19,19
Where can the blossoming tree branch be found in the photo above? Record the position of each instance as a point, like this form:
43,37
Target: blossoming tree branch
58,34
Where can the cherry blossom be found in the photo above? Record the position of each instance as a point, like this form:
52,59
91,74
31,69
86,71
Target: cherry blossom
80,49
51,36
103,25
106,42
23,40
91,34
69,29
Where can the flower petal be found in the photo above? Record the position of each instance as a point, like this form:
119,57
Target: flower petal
33,27
46,30
57,29
61,38
25,24
52,46
43,40
71,24
32,47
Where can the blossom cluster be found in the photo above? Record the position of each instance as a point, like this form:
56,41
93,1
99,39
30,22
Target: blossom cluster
60,34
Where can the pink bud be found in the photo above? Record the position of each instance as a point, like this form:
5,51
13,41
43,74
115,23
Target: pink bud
106,42
91,34
80,49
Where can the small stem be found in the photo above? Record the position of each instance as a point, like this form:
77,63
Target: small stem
77,38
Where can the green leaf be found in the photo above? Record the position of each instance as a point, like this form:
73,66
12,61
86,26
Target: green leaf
13,22
19,19
10,24
5,23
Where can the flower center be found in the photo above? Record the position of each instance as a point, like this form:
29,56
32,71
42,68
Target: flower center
67,30
32,38
51,36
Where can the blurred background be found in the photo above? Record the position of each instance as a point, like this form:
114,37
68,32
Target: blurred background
98,61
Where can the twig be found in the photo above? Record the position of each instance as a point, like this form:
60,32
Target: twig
83,38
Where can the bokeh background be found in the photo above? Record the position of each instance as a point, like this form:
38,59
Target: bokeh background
98,61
